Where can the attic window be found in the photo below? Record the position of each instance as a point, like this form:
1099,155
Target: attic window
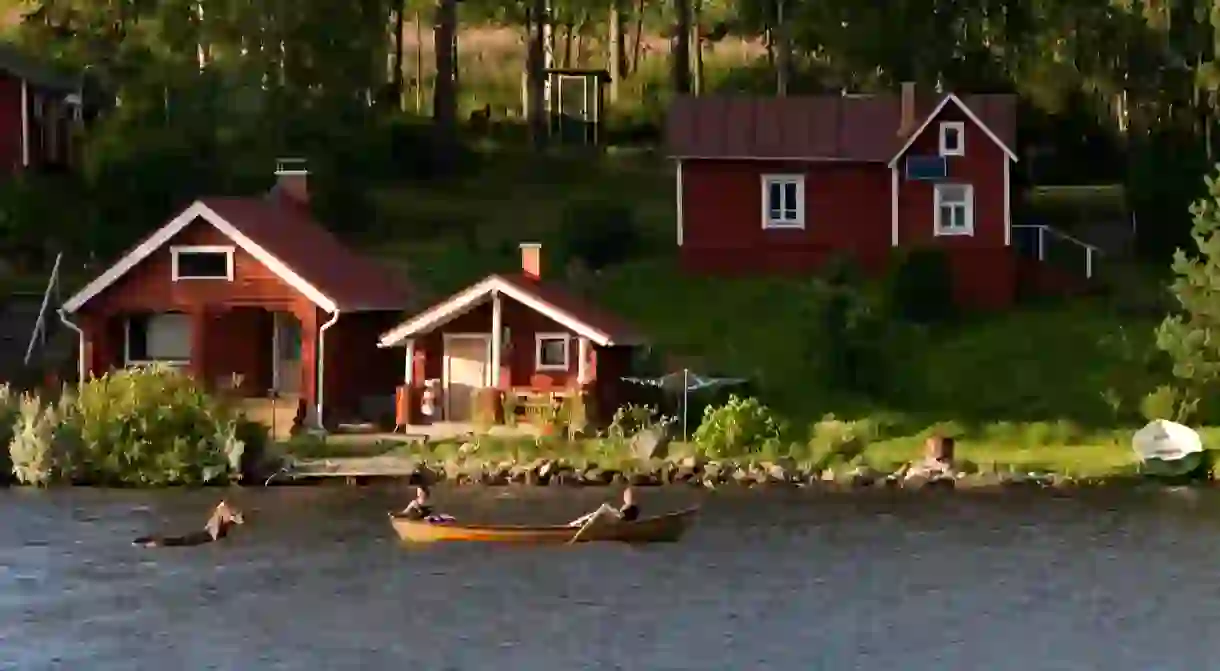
953,138
202,263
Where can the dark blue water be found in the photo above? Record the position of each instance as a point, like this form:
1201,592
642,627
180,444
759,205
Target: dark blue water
316,580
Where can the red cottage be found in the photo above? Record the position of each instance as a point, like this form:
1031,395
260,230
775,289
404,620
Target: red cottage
781,184
250,294
517,334
40,110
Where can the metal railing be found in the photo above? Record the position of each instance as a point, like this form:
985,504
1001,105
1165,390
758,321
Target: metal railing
39,335
1046,244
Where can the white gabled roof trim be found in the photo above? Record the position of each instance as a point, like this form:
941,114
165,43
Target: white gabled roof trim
443,312
969,114
197,210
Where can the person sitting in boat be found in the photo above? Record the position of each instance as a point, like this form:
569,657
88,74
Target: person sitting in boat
420,510
224,516
628,512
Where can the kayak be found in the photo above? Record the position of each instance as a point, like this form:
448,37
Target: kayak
661,529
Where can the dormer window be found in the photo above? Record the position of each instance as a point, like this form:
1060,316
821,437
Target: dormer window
953,138
202,263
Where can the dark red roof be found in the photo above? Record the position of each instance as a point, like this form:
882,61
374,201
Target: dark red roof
580,308
827,127
288,232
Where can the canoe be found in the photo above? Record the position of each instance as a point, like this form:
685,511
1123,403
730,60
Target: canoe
661,529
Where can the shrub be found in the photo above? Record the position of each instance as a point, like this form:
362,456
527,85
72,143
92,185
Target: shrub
598,233
740,426
921,287
44,440
9,411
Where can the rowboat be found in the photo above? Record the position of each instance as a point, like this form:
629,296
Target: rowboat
661,529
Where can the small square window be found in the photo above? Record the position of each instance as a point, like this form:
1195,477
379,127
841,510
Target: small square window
953,138
551,351
202,263
783,201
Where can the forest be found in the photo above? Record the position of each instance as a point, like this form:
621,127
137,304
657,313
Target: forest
210,91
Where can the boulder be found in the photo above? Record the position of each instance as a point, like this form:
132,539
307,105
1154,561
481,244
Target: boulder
650,444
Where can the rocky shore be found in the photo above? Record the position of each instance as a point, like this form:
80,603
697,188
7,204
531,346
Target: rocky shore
692,471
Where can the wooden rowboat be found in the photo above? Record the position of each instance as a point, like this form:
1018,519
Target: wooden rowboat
660,529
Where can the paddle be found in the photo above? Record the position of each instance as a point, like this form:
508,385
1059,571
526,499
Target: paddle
592,518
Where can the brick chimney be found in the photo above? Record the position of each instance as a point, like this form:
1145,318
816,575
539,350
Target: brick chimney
292,179
531,260
906,122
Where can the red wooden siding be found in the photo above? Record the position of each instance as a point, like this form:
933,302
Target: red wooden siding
10,123
355,367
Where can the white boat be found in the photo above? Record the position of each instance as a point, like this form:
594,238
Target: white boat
1167,448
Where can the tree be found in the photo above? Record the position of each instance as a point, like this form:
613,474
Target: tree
1191,336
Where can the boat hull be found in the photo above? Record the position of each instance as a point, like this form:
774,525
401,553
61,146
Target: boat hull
661,529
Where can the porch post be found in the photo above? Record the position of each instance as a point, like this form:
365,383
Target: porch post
408,372
199,346
497,332
582,361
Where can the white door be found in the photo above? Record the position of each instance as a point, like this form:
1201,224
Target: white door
466,369
287,348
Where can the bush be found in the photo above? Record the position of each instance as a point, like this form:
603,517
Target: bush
9,411
598,233
149,426
740,426
921,287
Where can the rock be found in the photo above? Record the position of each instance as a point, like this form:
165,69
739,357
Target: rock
863,476
712,471
684,474
694,462
643,480
778,473
650,444
596,476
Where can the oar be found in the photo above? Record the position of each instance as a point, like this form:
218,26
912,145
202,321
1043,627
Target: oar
592,518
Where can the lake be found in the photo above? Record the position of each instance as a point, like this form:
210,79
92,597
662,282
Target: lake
778,581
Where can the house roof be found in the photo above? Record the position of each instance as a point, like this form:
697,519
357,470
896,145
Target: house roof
549,300
288,241
861,128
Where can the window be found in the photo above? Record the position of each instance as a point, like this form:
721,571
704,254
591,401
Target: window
202,263
783,201
551,351
954,209
164,338
953,138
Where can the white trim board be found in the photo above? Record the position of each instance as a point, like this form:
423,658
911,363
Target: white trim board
936,112
154,242
439,314
176,250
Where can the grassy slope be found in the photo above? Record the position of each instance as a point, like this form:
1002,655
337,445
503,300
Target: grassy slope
1008,384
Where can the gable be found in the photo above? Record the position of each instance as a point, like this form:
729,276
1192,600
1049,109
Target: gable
200,215
951,102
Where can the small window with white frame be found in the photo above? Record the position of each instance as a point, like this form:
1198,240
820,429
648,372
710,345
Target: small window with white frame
953,138
202,262
783,199
954,209
552,351
163,338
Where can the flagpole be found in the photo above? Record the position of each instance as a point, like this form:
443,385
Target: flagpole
685,392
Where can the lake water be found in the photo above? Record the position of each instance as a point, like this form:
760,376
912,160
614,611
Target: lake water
316,580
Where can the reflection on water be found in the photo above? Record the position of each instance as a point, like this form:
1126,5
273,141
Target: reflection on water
315,580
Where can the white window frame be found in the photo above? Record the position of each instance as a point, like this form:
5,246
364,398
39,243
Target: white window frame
767,182
200,249
958,127
129,362
938,199
540,339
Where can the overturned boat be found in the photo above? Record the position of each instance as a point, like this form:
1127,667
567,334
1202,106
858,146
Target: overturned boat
1168,450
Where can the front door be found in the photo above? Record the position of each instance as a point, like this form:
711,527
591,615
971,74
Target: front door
466,369
287,348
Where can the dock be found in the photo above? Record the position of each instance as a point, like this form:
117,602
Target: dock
352,470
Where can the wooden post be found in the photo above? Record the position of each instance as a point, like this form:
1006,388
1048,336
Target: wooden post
408,373
497,333
582,361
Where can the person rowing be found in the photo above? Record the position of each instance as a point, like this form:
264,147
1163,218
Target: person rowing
224,517
628,512
420,510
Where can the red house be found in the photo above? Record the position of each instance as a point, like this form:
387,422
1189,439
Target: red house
516,334
781,184
40,112
253,295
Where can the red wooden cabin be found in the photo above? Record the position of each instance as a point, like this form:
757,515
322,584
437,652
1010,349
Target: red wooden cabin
253,288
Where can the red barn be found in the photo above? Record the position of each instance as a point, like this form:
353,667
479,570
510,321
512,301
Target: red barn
781,184
254,296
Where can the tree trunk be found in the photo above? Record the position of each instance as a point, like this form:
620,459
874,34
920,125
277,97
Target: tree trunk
568,28
396,77
783,51
444,93
639,37
535,75
419,63
680,48
615,64
697,38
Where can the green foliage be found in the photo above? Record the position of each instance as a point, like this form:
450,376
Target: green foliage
740,426
598,233
1167,402
10,409
1191,336
921,286
45,439
849,332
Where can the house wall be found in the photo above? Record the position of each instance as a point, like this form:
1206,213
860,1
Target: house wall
847,211
10,123
984,267
355,368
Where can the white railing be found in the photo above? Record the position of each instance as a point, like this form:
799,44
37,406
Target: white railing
40,325
1045,234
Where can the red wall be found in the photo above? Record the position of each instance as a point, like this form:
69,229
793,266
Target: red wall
10,123
848,210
